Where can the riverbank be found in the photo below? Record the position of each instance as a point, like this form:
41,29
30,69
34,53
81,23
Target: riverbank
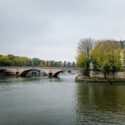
98,80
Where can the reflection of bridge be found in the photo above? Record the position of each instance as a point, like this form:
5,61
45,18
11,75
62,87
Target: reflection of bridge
50,71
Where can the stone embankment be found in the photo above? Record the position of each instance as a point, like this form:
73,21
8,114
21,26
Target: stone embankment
85,79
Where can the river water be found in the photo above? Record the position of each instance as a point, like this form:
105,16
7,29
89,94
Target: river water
43,101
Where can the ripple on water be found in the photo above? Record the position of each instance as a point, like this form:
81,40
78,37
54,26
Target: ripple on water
29,101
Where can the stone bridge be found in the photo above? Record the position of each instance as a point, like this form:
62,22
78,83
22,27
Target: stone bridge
50,71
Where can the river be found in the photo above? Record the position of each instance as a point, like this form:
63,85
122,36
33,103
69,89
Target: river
43,101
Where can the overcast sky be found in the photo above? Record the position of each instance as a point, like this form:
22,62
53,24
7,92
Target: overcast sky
51,29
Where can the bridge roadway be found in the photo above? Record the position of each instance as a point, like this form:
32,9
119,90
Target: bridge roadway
50,71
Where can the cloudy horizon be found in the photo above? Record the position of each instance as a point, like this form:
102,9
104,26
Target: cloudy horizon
51,29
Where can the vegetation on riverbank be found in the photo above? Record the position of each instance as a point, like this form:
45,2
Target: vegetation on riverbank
101,55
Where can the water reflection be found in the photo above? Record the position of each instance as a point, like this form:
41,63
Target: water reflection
100,104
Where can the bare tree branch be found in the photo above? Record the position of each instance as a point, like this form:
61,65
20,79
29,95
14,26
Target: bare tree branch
85,46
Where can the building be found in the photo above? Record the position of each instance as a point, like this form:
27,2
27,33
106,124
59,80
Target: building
123,44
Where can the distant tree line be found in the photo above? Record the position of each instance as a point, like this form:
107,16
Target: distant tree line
11,60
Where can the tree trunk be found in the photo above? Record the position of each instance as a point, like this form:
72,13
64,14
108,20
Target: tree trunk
87,70
105,76
113,75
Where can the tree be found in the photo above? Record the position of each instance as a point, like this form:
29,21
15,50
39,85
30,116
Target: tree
83,62
4,61
64,64
36,61
106,57
83,59
73,64
69,64
11,58
85,46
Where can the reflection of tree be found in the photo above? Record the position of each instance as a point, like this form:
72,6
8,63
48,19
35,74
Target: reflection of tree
100,103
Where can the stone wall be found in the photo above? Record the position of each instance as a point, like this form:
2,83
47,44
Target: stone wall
99,74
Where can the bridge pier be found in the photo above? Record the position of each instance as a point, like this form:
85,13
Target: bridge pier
17,73
50,74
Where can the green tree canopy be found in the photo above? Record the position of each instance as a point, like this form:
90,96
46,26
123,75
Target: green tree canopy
106,56
83,62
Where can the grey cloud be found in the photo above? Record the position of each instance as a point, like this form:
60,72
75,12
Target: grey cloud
30,24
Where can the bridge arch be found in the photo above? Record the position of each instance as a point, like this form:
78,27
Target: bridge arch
58,72
23,73
6,72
